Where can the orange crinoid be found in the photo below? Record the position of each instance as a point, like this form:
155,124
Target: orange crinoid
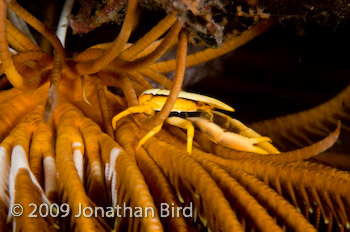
64,168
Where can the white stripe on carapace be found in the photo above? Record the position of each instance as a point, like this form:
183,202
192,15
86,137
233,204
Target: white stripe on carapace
192,96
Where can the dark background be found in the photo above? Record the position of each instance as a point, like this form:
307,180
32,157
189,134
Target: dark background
294,66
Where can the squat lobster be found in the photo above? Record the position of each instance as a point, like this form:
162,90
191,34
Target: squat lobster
153,100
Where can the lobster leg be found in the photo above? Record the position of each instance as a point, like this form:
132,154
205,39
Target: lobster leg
132,110
184,124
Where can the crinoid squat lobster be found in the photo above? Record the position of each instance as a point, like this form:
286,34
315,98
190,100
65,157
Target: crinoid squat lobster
154,99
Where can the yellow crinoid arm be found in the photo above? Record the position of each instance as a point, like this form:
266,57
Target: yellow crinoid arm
184,124
132,110
211,53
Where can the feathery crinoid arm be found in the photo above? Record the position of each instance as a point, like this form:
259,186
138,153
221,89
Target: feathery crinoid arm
303,128
131,186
